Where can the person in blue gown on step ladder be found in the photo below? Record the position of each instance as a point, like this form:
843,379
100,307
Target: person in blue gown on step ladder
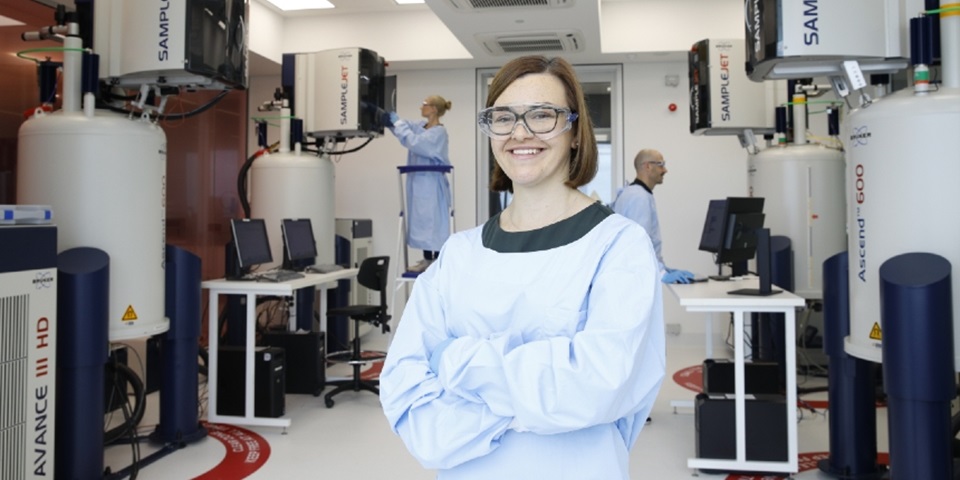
428,193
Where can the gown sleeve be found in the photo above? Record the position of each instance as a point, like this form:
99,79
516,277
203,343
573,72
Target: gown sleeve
439,428
608,370
429,143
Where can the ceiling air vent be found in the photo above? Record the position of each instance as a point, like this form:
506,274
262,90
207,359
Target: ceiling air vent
489,5
532,43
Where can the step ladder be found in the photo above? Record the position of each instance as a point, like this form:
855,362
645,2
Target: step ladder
404,279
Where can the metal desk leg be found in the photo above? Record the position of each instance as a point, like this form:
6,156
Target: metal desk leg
213,341
738,386
790,330
709,334
251,321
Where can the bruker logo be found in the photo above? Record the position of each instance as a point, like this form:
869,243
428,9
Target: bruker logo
43,280
861,136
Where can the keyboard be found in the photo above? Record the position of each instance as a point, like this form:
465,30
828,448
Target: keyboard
325,268
278,276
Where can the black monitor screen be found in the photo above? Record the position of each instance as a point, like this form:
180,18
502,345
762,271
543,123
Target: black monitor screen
250,237
298,239
744,218
216,40
711,240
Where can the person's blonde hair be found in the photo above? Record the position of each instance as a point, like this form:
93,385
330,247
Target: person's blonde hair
441,104
583,156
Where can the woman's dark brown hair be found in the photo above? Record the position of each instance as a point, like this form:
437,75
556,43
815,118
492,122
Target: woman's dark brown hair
583,158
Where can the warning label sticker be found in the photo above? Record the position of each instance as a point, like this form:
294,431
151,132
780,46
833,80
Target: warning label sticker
875,332
130,314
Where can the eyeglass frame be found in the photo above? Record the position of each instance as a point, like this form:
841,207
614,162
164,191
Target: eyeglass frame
659,163
571,117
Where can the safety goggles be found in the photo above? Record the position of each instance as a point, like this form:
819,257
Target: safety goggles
544,121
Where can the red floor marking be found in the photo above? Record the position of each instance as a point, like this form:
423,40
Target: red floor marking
246,452
806,462
690,378
372,373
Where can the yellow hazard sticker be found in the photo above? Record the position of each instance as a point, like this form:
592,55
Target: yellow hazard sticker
875,333
130,314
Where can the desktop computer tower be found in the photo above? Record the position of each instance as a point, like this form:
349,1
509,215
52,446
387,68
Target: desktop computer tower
766,427
759,377
306,356
353,244
269,381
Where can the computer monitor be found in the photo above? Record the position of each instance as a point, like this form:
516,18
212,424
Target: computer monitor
251,241
299,245
730,230
764,267
711,240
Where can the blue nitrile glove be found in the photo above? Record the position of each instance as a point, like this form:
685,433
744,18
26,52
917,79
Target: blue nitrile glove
677,276
388,118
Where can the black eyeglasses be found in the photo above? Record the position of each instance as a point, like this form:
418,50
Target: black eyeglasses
544,121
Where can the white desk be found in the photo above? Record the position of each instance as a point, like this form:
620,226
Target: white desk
712,296
251,289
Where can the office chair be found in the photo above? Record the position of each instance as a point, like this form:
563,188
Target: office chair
373,275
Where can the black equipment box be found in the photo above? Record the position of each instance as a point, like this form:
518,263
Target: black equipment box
759,377
766,427
306,359
269,381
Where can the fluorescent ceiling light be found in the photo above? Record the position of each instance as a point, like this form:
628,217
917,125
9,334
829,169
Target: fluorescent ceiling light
287,5
408,2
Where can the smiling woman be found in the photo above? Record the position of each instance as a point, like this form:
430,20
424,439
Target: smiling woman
537,336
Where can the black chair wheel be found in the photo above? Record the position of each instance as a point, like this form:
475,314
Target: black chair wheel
328,402
318,391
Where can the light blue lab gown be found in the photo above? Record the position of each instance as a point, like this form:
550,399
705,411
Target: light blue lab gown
637,204
428,193
545,364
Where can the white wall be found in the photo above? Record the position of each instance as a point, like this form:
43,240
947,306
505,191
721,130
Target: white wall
387,34
667,25
266,32
699,169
